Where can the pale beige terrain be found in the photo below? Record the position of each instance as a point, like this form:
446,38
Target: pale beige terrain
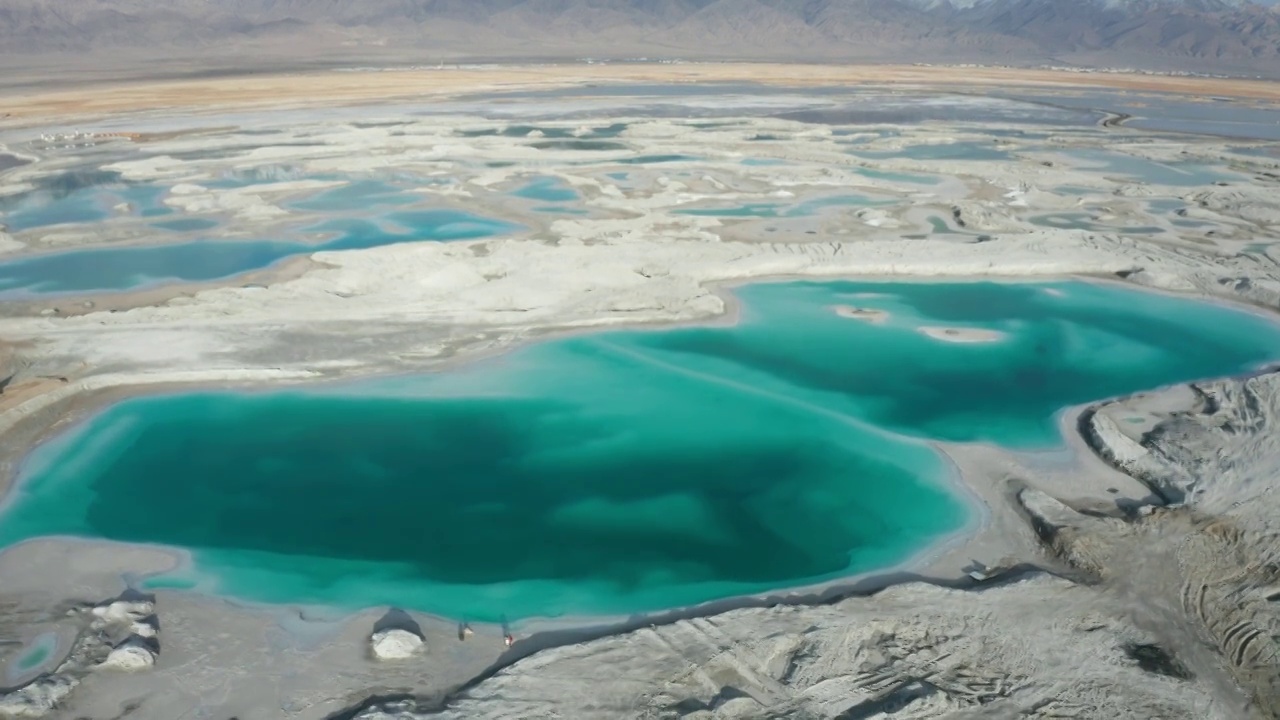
325,88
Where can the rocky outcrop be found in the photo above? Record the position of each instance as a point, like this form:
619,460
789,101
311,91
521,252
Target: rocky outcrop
915,650
1218,444
396,636
131,655
37,698
8,244
395,644
1258,205
117,635
1202,35
1105,436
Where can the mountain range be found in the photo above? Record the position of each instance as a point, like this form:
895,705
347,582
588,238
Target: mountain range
1210,36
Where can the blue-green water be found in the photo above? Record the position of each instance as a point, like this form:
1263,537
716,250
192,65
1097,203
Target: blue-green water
124,268
547,189
1083,221
1149,171
620,471
37,653
359,195
604,131
1166,205
186,224
897,176
771,209
940,225
766,209
969,150
1075,190
80,198
580,144
864,134
655,159
560,210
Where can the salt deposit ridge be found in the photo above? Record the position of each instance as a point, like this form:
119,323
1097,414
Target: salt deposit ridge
1137,579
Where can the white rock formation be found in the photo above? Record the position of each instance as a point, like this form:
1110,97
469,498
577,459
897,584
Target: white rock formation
987,216
926,651
876,217
129,656
8,244
395,644
1218,449
37,698
121,611
1254,204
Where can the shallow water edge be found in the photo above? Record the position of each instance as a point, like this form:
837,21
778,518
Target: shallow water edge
731,316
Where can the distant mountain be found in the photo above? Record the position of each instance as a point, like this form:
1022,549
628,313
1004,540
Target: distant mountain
1189,35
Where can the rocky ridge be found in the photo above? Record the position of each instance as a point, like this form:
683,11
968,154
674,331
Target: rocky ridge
1200,35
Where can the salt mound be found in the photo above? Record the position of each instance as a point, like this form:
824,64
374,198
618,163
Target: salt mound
187,189
1257,205
871,315
877,218
975,215
130,656
963,335
395,644
1133,191
8,244
124,610
1046,508
37,698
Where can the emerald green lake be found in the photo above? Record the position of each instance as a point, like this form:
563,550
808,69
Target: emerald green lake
38,652
621,471
33,659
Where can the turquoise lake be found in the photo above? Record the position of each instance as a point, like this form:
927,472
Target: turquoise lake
622,471
1182,174
939,151
80,198
547,189
31,658
124,268
777,210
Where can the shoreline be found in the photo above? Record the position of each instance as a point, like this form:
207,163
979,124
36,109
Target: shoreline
242,380
541,632
930,555
69,304
938,561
